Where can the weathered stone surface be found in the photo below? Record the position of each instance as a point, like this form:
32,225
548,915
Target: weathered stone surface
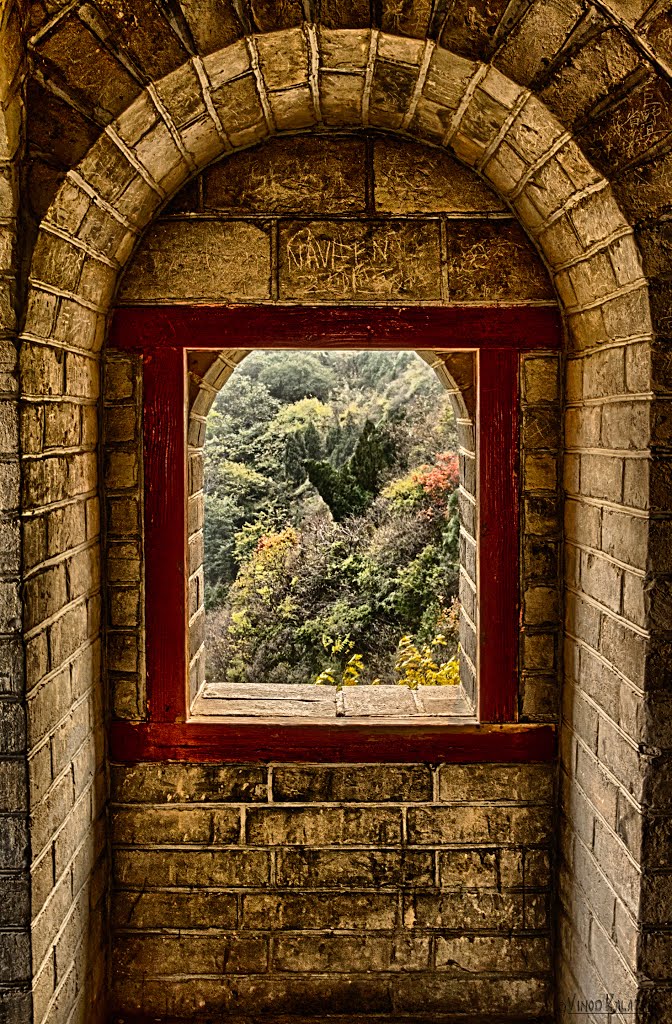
302,175
214,24
83,64
468,31
149,39
536,38
415,179
490,261
388,261
201,259
333,784
317,868
328,827
165,783
629,129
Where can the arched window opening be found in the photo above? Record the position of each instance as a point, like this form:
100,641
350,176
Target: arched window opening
333,534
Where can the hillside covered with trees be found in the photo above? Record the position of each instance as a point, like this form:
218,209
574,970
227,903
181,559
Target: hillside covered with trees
331,524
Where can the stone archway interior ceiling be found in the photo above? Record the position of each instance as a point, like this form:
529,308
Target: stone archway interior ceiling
299,79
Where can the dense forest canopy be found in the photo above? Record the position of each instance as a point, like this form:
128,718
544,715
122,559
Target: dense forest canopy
331,524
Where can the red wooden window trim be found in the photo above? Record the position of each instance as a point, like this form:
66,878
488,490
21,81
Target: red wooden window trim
163,335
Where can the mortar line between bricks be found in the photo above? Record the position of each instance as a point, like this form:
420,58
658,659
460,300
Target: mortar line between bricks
204,83
39,510
132,159
51,23
291,302
427,52
60,346
47,848
48,676
639,284
503,131
77,243
612,506
596,862
344,848
639,808
633,570
599,401
593,250
76,179
372,56
464,104
55,452
60,401
538,165
618,783
61,613
605,346
645,634
59,293
45,908
299,893
45,740
385,217
340,805
574,200
173,131
63,982
391,975
637,690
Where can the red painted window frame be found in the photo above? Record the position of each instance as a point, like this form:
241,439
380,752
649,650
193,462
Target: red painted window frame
163,335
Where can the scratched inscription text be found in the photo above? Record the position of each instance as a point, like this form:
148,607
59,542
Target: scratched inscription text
348,260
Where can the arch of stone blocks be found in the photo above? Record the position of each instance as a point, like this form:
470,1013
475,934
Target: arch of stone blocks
298,80
283,82
456,373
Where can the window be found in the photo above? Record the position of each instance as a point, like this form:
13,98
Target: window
175,340
326,539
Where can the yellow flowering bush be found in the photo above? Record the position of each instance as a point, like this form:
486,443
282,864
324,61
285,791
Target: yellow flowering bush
415,665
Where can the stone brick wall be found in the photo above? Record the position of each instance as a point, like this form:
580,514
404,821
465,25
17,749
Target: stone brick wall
386,890
15,959
550,103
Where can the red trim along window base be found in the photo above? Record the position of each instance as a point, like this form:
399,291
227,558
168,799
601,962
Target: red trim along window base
163,335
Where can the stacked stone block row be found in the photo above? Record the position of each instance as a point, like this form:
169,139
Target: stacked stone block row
541,540
15,952
208,372
125,599
370,889
458,374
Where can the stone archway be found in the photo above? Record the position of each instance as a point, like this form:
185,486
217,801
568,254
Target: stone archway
295,81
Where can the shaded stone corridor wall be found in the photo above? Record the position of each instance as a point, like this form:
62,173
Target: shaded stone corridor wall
15,952
604,72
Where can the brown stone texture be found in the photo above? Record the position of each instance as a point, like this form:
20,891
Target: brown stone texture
201,259
291,176
415,179
297,882
360,261
96,74
492,261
